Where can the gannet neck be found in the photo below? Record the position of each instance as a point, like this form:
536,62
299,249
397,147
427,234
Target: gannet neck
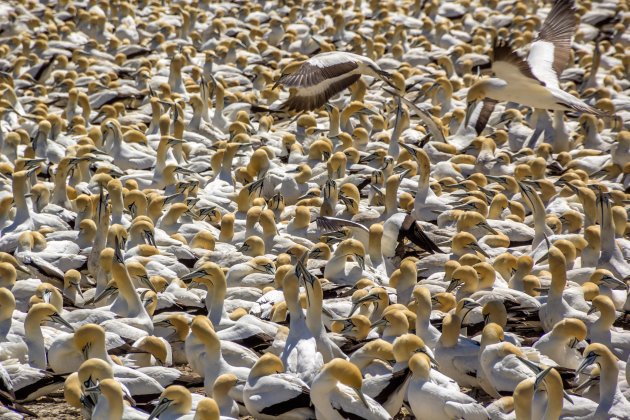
315,298
217,312
557,267
607,233
608,385
126,292
450,330
60,193
35,341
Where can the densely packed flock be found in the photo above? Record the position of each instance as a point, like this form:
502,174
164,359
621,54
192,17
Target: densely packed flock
301,209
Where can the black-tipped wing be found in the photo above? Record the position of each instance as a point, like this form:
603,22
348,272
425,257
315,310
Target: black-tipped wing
398,379
557,29
313,72
411,230
506,62
302,400
484,114
308,99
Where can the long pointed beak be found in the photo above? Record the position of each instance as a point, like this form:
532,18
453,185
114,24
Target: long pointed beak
78,287
404,174
192,275
615,283
541,377
408,148
358,303
150,238
532,366
477,248
361,396
453,285
145,280
58,319
159,409
489,228
588,360
96,389
543,258
378,323
107,292
587,383
360,261
431,359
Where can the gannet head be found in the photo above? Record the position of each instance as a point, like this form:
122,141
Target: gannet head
8,274
72,280
26,241
508,348
267,221
346,373
72,392
7,303
155,346
557,261
42,312
203,240
175,396
208,271
87,336
252,246
137,270
395,322
376,294
202,328
422,297
494,312
603,276
444,301
93,371
267,364
406,345
112,391
178,322
149,298
208,409
420,365
492,334
465,275
357,326
353,248
50,294
378,349
466,241
604,305
571,328
597,353
262,264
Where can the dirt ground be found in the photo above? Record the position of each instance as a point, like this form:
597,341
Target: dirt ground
52,407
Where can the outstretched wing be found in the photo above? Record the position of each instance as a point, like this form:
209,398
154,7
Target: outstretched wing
508,65
550,52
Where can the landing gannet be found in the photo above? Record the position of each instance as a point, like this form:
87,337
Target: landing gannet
535,81
323,76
